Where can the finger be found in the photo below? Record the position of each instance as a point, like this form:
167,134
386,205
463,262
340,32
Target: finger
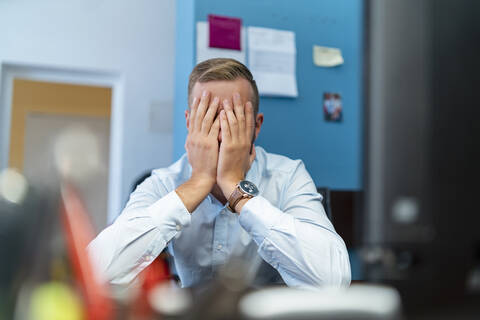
210,116
239,113
249,119
232,121
202,108
226,135
215,128
193,111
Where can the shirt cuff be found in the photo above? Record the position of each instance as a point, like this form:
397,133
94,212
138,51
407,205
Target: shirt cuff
169,215
257,217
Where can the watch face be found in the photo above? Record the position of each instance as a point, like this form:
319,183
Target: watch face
248,187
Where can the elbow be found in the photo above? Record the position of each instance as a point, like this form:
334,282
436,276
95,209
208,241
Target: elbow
341,277
338,277
340,270
334,269
326,271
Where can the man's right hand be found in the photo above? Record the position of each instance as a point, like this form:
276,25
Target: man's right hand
202,151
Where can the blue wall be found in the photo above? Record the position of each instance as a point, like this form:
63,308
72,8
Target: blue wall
332,152
184,63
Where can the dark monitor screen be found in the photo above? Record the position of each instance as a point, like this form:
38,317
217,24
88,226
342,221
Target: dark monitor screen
421,223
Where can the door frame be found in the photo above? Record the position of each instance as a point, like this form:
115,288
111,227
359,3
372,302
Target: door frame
103,78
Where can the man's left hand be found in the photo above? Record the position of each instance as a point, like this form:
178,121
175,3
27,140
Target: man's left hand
236,150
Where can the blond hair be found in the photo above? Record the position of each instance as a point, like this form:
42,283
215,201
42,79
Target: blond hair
223,69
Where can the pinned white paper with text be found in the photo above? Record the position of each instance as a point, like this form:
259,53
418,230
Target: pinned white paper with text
272,61
204,52
327,57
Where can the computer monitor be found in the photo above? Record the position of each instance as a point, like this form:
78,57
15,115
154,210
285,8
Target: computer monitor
421,223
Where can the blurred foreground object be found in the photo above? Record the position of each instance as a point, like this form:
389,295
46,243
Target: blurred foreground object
420,224
77,154
219,299
168,299
13,186
356,302
153,277
16,228
44,231
55,300
78,233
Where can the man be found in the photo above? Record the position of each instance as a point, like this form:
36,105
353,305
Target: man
224,193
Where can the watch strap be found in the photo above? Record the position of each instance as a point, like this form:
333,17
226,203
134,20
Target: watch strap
236,196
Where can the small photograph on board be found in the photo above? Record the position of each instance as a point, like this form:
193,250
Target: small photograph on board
332,107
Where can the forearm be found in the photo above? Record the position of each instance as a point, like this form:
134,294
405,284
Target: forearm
193,191
136,238
119,259
306,253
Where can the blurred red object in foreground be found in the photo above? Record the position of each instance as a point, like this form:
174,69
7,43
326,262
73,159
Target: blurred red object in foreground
78,232
156,273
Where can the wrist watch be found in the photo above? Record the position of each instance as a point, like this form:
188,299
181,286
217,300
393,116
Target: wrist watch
244,190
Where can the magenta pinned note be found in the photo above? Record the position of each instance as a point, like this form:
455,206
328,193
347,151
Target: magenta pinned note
224,32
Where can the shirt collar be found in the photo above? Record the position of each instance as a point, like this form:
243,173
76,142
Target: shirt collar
253,174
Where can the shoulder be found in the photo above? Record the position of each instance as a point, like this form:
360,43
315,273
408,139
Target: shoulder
173,175
281,178
159,183
276,163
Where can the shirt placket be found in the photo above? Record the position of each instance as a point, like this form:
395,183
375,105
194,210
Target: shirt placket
220,233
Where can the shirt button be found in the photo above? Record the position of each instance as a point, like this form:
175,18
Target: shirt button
178,227
219,247
149,257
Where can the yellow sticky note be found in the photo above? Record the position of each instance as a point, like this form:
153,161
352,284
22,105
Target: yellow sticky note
327,57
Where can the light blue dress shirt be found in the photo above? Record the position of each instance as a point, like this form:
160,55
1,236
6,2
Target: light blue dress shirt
286,224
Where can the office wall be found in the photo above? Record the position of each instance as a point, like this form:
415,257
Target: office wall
184,63
132,38
332,152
